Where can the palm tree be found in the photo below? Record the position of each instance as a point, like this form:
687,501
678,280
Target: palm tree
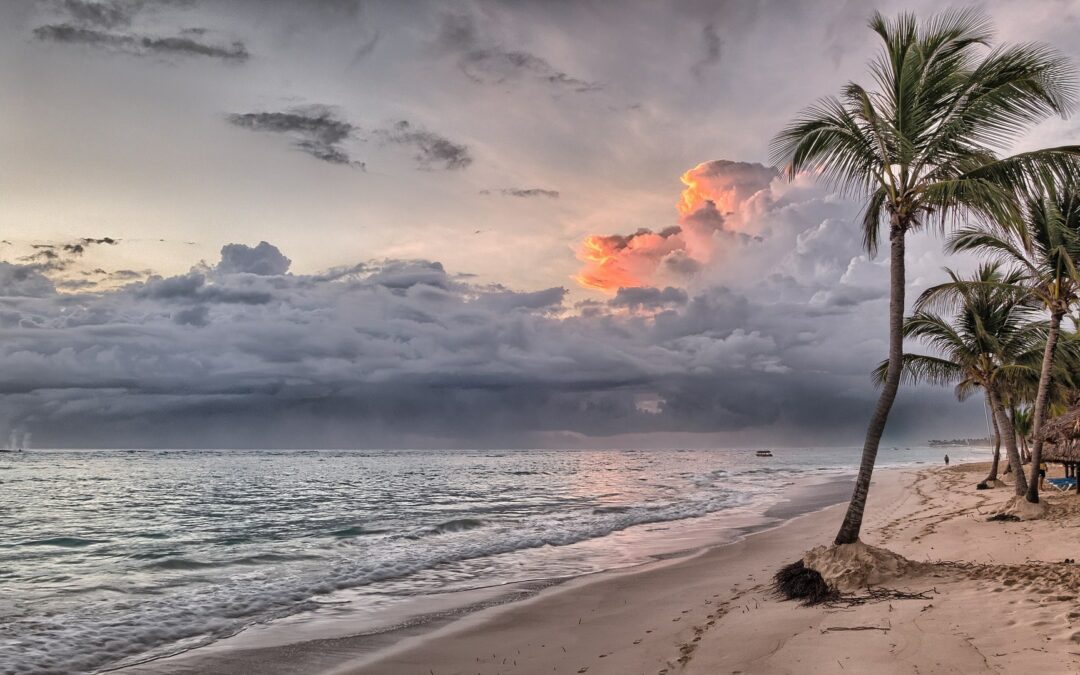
987,344
920,147
1022,422
996,462
1047,248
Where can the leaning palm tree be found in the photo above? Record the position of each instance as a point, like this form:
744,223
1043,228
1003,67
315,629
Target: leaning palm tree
987,344
920,147
1047,248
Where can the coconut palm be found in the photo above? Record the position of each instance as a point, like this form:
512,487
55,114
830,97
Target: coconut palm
1022,422
987,344
996,462
1047,248
921,145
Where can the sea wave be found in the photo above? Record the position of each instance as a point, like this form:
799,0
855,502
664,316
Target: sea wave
132,626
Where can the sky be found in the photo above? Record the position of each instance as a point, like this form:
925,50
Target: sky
336,223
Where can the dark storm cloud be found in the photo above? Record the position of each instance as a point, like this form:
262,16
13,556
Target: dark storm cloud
316,130
431,149
99,24
140,45
195,287
713,46
649,298
523,193
59,256
391,347
197,316
246,352
489,63
263,260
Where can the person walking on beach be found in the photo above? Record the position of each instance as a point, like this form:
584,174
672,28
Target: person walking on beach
946,460
1042,473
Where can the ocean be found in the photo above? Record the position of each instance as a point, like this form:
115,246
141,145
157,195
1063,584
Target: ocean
115,557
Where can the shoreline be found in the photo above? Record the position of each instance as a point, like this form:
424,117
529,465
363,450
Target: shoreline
1005,605
326,650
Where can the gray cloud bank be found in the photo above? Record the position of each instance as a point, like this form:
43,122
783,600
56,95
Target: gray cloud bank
404,353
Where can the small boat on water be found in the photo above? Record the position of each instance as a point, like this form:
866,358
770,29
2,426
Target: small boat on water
763,453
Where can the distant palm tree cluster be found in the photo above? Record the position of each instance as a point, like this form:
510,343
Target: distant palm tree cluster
922,146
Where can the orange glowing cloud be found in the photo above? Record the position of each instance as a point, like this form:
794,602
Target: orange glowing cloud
625,261
728,185
710,210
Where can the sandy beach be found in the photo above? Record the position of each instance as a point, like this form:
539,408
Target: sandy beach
1004,601
1012,608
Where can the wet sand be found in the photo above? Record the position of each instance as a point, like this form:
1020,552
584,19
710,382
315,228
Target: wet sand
1006,601
1011,608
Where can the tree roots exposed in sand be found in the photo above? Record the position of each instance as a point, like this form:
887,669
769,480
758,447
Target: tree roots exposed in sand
798,582
1019,506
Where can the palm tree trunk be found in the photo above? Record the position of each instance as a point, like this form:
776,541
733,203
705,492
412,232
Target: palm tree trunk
1009,434
997,447
1041,402
1019,436
849,530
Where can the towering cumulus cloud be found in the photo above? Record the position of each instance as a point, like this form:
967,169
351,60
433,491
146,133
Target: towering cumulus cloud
716,209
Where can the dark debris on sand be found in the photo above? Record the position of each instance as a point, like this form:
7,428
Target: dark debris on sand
798,582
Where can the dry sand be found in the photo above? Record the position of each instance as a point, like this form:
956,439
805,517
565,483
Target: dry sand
1010,606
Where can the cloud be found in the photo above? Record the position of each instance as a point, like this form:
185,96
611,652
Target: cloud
197,316
24,281
316,130
726,184
718,210
320,132
140,45
431,149
384,353
59,256
648,298
263,260
98,24
100,13
619,261
490,63
713,47
524,193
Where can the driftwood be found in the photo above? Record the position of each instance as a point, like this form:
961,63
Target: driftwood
830,629
877,595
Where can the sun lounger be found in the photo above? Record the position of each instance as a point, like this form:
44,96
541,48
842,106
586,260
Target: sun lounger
1062,484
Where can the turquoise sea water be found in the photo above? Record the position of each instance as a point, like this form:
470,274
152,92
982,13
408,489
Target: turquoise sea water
110,557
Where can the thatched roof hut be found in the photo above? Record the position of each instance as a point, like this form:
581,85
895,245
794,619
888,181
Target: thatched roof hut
1061,438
